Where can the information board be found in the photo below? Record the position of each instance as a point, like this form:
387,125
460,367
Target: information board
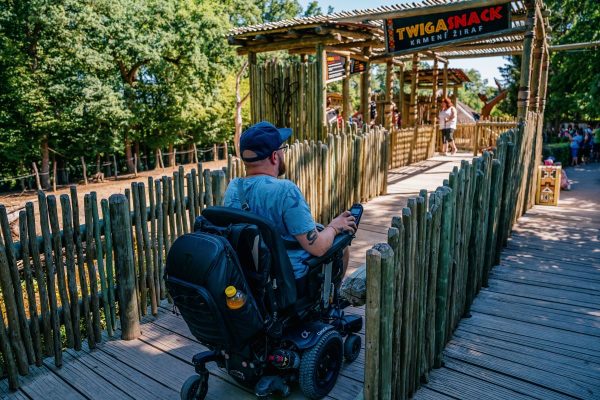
335,66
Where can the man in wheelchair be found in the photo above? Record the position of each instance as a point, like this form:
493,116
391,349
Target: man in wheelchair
257,282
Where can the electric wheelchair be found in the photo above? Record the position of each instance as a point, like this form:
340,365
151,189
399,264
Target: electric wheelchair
288,331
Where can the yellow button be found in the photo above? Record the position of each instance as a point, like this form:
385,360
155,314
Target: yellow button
230,291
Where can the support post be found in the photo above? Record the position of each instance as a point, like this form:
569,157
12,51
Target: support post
387,118
365,89
321,102
445,84
414,110
523,96
123,250
346,106
403,115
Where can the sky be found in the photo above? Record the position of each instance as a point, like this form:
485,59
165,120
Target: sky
487,66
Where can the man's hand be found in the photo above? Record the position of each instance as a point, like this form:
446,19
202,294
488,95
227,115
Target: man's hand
343,222
317,243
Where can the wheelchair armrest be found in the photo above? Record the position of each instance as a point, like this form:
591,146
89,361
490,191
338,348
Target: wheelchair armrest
339,243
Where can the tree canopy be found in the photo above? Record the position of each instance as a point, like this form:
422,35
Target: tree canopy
94,78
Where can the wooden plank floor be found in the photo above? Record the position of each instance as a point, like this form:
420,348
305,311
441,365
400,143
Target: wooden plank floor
534,332
156,365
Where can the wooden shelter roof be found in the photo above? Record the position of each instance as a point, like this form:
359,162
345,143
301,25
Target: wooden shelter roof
354,30
455,76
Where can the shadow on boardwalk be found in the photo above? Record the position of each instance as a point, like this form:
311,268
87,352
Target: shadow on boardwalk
535,331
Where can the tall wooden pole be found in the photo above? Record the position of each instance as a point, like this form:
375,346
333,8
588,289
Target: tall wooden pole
544,81
321,102
434,88
413,110
254,114
445,85
365,89
538,54
387,122
346,106
523,96
434,104
403,115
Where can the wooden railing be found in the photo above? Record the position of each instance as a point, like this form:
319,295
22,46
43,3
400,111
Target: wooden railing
439,254
411,145
85,281
480,136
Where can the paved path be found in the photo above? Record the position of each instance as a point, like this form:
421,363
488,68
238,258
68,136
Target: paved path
535,331
156,365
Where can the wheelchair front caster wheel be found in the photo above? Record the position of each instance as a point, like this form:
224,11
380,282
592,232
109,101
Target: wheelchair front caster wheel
194,388
352,347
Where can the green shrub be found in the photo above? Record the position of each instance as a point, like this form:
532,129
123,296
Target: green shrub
560,151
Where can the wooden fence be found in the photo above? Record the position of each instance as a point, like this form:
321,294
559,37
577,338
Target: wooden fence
481,135
350,168
90,281
285,94
410,145
439,254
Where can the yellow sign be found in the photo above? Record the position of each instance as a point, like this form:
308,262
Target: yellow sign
548,189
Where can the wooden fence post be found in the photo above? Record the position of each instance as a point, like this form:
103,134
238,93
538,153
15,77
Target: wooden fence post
372,314
387,319
128,304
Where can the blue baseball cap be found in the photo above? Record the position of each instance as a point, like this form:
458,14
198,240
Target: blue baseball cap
262,139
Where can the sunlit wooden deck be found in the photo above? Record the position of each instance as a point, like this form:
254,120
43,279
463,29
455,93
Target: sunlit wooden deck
535,331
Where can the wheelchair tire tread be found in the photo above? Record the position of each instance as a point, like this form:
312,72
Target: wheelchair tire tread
309,362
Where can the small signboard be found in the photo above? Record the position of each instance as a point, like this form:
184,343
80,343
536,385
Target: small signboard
335,66
405,35
357,66
548,189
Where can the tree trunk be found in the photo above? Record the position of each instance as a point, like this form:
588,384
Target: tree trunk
137,153
239,103
45,173
171,155
128,155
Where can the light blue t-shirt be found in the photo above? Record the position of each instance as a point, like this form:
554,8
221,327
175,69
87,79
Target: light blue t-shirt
281,202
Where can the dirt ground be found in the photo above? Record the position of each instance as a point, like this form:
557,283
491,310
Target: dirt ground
15,202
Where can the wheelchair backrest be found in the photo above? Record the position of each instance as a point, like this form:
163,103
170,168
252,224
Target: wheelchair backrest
283,282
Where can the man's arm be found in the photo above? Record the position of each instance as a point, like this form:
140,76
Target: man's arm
317,243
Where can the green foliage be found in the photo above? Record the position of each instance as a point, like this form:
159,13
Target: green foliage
574,84
560,151
90,78
574,76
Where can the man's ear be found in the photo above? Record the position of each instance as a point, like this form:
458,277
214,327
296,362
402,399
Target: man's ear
272,158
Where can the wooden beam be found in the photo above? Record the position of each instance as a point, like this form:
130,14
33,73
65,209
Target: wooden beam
423,10
414,109
320,30
387,117
290,44
346,106
575,46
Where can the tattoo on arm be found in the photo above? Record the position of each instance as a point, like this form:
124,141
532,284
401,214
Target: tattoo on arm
312,236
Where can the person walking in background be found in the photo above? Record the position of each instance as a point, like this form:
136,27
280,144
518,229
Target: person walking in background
574,146
448,117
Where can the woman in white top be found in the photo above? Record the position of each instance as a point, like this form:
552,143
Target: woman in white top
448,117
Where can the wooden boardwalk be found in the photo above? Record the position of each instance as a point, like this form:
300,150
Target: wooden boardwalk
156,365
534,332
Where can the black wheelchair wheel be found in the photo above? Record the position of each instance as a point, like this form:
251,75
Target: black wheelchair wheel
320,365
352,347
194,388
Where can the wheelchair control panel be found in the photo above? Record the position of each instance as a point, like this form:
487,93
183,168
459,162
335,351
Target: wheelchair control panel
356,210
